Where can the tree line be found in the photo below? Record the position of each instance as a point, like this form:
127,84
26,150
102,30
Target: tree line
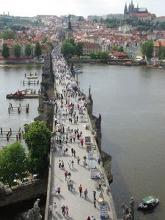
147,49
71,48
28,52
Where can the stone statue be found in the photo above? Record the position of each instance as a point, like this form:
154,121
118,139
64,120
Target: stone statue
34,213
128,212
4,191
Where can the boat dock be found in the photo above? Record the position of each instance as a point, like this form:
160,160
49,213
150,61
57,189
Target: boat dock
77,186
9,134
19,109
30,82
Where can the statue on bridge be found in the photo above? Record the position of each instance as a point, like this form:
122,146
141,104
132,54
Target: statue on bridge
128,212
34,213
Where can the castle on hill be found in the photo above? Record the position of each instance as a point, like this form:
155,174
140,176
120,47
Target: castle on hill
140,13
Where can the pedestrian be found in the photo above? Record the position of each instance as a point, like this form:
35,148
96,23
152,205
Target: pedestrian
74,138
99,161
58,190
59,164
63,210
74,153
80,190
54,207
69,174
94,203
66,174
66,210
69,164
78,160
92,218
85,193
94,195
72,162
62,164
81,142
72,150
88,218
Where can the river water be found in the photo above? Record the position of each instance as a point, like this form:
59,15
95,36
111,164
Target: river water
131,101
11,79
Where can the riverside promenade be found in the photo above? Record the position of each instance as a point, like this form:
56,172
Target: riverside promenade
78,188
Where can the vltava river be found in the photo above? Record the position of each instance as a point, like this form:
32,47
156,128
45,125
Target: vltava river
131,101
11,79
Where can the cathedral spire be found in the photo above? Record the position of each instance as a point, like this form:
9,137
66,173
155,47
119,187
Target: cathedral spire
125,9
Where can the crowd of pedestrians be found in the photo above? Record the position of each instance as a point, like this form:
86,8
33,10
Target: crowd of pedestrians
70,111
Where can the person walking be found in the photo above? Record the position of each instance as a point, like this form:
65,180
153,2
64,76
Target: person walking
63,210
81,142
66,174
80,190
66,210
85,193
72,162
94,195
78,160
88,218
58,190
74,153
94,203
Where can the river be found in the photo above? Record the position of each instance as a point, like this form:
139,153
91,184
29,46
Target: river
131,101
11,79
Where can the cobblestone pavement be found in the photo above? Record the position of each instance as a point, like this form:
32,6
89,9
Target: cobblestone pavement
77,156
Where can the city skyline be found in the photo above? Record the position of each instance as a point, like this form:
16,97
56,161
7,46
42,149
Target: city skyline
77,7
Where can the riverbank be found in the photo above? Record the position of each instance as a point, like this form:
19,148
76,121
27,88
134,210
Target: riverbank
124,62
20,61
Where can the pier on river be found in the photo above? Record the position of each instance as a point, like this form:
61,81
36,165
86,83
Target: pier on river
78,186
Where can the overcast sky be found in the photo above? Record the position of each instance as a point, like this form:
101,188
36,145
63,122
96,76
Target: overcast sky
77,7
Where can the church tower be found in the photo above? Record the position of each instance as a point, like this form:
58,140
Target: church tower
69,31
125,9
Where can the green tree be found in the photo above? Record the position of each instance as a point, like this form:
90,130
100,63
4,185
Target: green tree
17,50
99,55
8,34
5,51
37,137
68,49
28,50
38,50
147,49
93,56
79,49
161,52
104,55
12,162
120,49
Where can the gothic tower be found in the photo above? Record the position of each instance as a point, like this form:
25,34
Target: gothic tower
125,9
69,31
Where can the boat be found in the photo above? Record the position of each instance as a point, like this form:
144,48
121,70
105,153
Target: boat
148,203
24,94
16,95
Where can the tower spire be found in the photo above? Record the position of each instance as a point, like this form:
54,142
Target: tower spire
125,9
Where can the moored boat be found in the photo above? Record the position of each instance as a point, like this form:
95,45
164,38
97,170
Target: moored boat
148,203
16,95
